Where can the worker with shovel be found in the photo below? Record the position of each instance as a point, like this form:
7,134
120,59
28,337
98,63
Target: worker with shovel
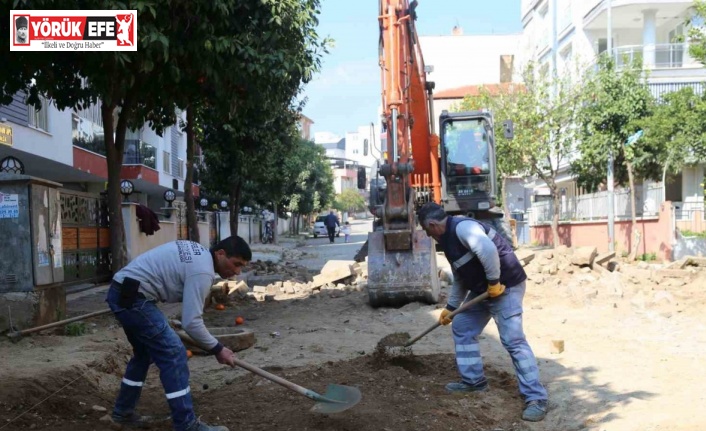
482,260
178,271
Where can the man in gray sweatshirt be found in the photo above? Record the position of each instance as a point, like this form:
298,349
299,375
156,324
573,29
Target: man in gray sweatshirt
178,271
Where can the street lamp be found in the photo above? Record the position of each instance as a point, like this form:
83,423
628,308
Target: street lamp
224,205
204,203
126,189
169,197
12,165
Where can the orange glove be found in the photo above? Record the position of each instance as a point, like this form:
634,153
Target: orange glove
443,319
496,289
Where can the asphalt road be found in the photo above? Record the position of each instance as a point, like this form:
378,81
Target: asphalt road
320,250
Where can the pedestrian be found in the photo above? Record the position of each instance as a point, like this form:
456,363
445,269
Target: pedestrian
347,231
178,271
331,221
482,260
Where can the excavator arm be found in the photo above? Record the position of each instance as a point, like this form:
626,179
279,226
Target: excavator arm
401,258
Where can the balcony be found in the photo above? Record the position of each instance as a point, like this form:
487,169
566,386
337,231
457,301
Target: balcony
140,153
665,55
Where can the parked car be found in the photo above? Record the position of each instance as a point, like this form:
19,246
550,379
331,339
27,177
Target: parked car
320,227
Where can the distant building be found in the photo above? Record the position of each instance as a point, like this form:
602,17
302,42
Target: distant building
305,126
460,65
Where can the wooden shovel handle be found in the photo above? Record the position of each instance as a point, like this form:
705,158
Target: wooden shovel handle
465,306
253,369
19,334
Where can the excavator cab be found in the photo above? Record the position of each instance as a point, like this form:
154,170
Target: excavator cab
468,174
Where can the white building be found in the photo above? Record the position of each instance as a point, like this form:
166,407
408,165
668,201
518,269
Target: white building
357,142
67,147
563,34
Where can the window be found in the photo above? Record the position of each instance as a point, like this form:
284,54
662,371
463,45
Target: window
566,55
38,117
603,45
166,162
179,173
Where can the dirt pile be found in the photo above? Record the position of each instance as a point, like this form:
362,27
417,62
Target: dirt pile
403,394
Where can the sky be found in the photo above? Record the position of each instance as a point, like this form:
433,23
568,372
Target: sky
345,94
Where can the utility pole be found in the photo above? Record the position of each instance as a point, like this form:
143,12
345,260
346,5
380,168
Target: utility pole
609,179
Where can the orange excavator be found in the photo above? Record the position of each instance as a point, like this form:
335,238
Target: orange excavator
456,171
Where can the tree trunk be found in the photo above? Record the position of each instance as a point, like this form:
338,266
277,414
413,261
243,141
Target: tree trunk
506,207
192,224
275,223
633,226
235,193
114,146
556,210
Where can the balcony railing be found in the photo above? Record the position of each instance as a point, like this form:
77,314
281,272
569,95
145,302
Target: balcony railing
660,56
139,153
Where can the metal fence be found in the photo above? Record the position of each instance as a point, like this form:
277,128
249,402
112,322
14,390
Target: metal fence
594,206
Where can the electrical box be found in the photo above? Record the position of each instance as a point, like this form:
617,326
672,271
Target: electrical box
31,261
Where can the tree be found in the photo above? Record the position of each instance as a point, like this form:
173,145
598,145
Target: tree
618,100
544,116
245,144
677,128
697,33
310,180
245,50
121,82
251,47
350,200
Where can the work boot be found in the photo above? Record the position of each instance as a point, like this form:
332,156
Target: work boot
467,387
200,426
535,411
132,420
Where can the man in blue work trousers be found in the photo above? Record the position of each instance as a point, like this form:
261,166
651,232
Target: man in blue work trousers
482,260
178,271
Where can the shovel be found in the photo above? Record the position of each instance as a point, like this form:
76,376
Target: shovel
337,398
398,341
16,336
465,306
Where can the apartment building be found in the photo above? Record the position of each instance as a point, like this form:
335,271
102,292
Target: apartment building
67,147
568,35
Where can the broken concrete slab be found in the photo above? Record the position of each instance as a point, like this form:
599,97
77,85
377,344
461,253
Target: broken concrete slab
584,256
333,271
604,257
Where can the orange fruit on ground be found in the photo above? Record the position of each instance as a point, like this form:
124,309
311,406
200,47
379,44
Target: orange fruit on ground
220,307
239,320
189,353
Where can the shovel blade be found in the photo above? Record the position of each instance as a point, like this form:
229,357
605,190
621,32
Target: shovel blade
337,398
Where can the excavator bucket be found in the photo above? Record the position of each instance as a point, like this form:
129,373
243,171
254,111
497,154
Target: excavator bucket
398,277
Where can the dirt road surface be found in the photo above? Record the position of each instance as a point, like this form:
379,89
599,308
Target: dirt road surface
634,342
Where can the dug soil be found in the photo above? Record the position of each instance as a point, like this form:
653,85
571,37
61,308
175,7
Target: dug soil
618,350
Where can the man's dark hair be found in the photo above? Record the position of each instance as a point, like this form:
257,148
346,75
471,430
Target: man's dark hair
234,246
430,211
